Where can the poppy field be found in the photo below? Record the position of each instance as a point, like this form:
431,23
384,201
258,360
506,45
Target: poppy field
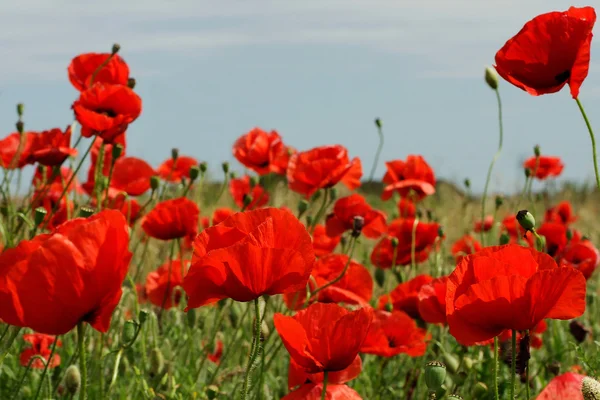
296,274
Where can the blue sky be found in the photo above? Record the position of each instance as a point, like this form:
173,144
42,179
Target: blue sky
318,71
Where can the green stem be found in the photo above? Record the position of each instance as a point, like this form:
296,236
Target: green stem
321,210
82,361
589,126
46,364
220,314
166,296
253,350
324,392
496,367
491,167
104,64
513,368
377,154
527,375
339,277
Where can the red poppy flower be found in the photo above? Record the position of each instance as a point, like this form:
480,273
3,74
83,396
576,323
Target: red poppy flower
174,171
240,188
406,208
432,301
535,336
41,345
256,150
322,243
161,285
141,293
402,229
355,286
555,235
81,265
129,207
543,167
172,219
324,337
561,213
106,110
52,148
53,218
83,67
464,246
9,147
215,356
297,375
344,211
581,255
413,178
509,287
53,183
250,254
221,214
565,386
313,391
550,51
280,157
405,297
205,222
484,225
132,176
394,333
108,153
322,167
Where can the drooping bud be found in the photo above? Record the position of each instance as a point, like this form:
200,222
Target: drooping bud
203,167
20,126
358,223
20,109
526,220
157,361
499,201
435,375
467,183
378,123
504,239
174,153
578,331
115,49
128,332
537,151
491,78
72,379
40,215
194,172
85,212
302,207
379,276
225,167
131,83
117,150
154,182
590,388
143,316
527,173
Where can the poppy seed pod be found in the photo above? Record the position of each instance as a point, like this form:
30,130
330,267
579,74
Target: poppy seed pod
20,108
85,212
491,78
143,316
115,48
590,388
526,220
174,153
194,172
72,379
435,375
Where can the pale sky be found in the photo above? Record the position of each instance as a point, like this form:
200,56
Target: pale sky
317,71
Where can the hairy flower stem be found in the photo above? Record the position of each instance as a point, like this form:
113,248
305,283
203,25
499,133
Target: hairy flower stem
46,364
254,350
589,126
489,173
377,153
513,367
82,361
340,276
496,367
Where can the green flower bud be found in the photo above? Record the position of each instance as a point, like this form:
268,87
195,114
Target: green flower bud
40,214
504,239
467,183
467,363
379,276
253,181
128,332
131,83
154,182
247,200
302,207
20,109
526,220
309,220
117,150
143,316
115,49
527,173
203,167
225,167
590,388
378,123
26,391
232,175
395,242
212,392
537,151
316,196
333,194
441,232
499,201
451,362
389,307
72,379
85,212
20,126
174,153
435,374
194,172
157,361
491,78
480,390
569,234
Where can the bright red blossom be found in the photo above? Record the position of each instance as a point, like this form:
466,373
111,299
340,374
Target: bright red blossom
258,149
562,387
464,246
394,333
132,176
313,391
581,255
221,214
162,286
405,297
83,67
484,225
41,345
52,148
561,213
298,376
413,179
544,167
322,243
241,188
174,170
432,301
10,146
172,219
344,211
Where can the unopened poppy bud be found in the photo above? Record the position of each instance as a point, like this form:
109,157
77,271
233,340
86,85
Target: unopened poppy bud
264,330
526,220
554,368
117,150
480,390
441,232
225,167
499,201
20,108
194,172
578,331
128,333
504,239
451,362
253,181
333,194
467,183
232,175
358,223
569,234
302,207
309,220
174,153
131,83
115,49
537,151
378,123
143,316
85,212
40,214
435,375
491,78
590,388
212,392
20,126
154,182
72,379
157,361
247,200
203,166
467,362
394,242
389,307
527,173
379,276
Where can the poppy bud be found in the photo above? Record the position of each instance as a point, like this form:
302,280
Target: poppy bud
247,200
554,368
174,153
131,83
379,276
451,362
72,379
332,194
504,239
232,175
143,316
389,307
20,108
154,182
115,49
212,392
435,375
128,332
441,232
302,207
499,201
40,214
253,181
526,220
378,123
194,172
157,361
467,183
467,362
225,167
578,331
569,234
20,126
527,173
394,242
419,214
85,212
309,220
480,390
491,78
117,150
264,330
537,151
203,167
590,388
358,223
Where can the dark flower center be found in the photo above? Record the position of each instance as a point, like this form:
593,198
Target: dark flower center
108,113
563,76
